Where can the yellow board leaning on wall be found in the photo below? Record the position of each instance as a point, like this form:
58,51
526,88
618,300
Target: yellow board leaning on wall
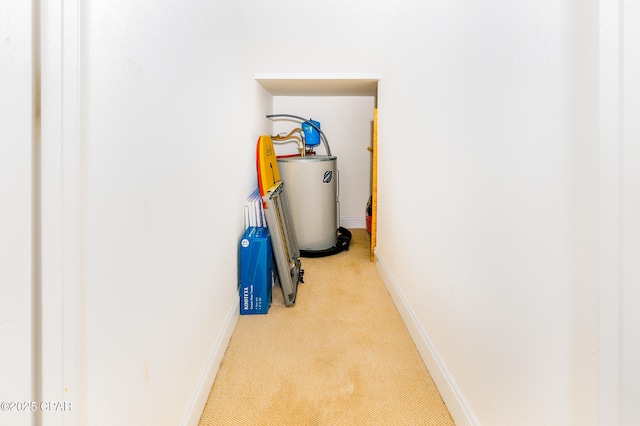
266,163
374,184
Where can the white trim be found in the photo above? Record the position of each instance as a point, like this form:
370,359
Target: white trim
51,335
71,226
451,394
60,242
610,225
630,248
199,399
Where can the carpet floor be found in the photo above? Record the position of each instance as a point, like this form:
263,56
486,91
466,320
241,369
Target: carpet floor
340,356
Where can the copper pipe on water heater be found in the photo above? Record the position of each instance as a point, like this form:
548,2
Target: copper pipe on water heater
304,120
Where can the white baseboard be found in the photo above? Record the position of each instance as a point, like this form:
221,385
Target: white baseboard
200,396
353,222
451,394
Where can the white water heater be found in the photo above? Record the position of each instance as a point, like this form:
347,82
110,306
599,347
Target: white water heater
312,185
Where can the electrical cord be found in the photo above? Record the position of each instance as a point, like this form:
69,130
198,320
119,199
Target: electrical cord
344,238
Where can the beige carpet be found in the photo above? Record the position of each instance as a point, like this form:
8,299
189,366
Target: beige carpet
340,356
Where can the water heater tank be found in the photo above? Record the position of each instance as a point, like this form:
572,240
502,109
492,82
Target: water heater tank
312,183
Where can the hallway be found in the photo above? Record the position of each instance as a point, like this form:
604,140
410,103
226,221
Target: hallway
340,355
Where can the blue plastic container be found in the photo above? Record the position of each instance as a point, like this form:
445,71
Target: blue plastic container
256,260
311,135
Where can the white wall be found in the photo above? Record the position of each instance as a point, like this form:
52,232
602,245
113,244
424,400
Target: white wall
507,248
347,124
488,133
169,120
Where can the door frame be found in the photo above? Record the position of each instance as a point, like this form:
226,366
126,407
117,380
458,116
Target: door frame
60,81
